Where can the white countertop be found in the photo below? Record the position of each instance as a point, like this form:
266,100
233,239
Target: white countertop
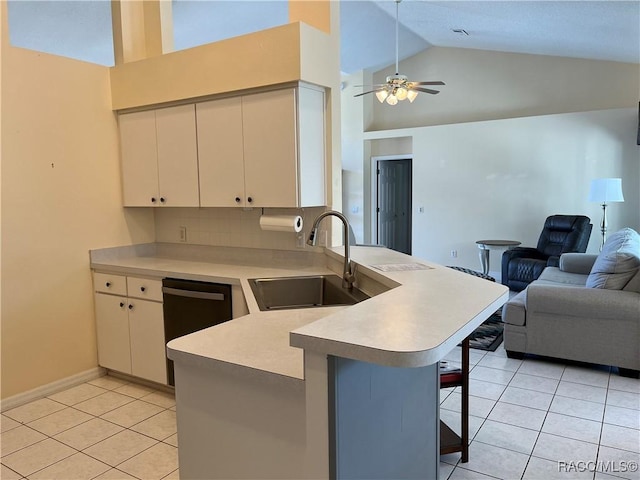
232,274
414,324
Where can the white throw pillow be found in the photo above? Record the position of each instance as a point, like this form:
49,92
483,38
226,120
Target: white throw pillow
618,262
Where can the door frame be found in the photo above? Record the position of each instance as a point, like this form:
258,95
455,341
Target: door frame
374,189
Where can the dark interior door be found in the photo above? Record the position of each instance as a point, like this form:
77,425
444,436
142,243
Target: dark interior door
394,204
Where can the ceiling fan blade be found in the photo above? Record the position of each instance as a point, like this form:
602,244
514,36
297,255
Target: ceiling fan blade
426,90
370,91
428,83
374,85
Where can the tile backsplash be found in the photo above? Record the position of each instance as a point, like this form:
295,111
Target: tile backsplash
229,227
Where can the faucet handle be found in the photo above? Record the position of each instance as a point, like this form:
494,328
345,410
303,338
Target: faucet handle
353,267
349,277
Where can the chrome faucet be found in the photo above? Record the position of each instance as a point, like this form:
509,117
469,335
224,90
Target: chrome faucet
349,272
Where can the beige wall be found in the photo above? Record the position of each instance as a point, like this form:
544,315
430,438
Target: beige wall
3,37
61,197
487,85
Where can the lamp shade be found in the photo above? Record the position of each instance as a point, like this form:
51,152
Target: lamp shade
606,190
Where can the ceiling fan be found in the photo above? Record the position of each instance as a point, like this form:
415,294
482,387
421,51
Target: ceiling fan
398,87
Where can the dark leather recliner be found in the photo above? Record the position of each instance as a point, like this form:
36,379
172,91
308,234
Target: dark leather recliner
561,234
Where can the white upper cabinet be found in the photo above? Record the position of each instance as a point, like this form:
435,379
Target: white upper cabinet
159,157
139,158
220,153
177,156
270,148
263,150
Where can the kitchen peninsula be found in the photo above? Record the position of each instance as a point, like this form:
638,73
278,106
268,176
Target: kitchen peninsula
331,392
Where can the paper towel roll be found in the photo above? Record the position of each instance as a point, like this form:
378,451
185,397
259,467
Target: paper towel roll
281,223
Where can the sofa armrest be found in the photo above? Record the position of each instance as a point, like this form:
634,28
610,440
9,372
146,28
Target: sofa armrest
553,261
577,262
522,252
583,302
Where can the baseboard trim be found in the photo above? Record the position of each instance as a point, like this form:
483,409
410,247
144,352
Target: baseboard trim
141,381
50,388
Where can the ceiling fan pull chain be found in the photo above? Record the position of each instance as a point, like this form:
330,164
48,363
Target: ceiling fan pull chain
397,8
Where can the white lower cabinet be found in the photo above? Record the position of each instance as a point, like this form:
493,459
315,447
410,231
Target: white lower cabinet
130,329
146,331
112,323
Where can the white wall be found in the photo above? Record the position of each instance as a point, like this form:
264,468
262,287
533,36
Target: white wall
352,154
500,179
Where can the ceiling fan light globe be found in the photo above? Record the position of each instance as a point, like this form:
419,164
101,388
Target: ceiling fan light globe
392,100
411,95
382,95
401,93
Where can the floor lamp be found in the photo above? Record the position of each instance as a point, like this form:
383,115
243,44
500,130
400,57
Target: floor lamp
603,191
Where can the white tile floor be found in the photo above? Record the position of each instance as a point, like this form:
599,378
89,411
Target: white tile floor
105,429
530,419
539,419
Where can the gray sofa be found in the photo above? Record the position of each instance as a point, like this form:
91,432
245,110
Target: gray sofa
587,309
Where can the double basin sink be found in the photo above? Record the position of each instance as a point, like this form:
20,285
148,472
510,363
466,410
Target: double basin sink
303,292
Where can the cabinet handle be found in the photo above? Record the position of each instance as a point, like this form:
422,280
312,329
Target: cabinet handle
142,289
130,306
153,199
249,199
108,284
237,199
121,304
162,199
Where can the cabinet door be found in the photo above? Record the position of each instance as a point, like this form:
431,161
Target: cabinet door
148,347
138,151
177,156
270,148
220,153
112,324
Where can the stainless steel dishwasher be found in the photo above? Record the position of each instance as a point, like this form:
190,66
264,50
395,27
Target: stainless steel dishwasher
190,306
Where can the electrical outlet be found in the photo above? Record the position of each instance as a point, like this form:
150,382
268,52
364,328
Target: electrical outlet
454,254
183,234
300,240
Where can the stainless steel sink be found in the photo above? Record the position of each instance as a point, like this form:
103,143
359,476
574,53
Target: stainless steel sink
303,292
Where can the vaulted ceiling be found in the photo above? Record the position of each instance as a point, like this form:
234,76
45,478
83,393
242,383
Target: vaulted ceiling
603,30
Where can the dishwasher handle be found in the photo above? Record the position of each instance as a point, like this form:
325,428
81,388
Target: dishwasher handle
193,294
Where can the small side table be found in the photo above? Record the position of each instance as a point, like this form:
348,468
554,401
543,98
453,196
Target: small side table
486,245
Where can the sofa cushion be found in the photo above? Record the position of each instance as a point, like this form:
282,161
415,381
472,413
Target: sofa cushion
634,284
581,263
618,261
